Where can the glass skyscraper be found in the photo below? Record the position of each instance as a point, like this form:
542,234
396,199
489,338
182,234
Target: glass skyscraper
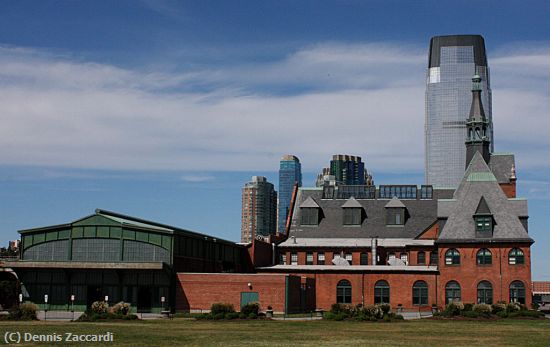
290,172
453,60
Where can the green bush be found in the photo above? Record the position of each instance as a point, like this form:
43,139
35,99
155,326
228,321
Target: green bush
252,315
373,311
99,307
513,307
222,308
25,311
483,309
329,315
204,316
122,308
242,315
231,315
252,307
498,307
218,316
340,308
468,307
530,313
454,308
470,314
384,307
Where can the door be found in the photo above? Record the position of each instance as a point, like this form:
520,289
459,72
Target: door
248,297
144,299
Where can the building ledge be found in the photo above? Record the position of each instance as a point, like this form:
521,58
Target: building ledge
82,265
350,268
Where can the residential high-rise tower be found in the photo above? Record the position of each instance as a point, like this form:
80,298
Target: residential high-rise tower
290,173
345,170
259,209
453,60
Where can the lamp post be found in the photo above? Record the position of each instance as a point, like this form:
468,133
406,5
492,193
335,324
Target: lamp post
20,298
72,305
162,300
107,300
45,306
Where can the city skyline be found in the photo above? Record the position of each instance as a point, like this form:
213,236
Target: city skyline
164,110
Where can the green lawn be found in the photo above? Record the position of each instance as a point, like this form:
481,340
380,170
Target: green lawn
183,332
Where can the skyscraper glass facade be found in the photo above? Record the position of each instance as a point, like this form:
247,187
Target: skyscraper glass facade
290,172
453,62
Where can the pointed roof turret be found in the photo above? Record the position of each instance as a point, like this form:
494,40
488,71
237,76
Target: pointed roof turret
477,114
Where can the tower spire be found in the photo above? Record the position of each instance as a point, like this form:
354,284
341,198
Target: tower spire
477,126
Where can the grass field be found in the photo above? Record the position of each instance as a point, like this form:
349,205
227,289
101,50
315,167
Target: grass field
182,332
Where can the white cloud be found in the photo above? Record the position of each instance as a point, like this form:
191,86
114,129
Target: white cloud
197,178
326,99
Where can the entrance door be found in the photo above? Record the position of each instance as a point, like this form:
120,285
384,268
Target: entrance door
93,294
144,299
248,297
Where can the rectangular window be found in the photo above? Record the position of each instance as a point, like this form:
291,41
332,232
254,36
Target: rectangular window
398,218
364,259
321,258
405,258
282,259
349,257
293,258
421,258
309,258
433,258
309,216
352,216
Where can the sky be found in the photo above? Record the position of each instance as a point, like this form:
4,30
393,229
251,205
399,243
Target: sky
164,109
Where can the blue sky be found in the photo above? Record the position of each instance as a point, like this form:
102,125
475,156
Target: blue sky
164,109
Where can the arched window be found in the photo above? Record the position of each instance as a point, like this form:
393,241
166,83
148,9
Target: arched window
452,292
343,292
420,293
485,293
452,257
516,257
381,292
484,257
517,292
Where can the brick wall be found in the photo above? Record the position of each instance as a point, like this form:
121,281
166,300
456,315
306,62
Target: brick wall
198,291
500,273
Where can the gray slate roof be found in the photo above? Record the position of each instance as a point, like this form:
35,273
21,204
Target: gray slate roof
501,166
395,202
460,225
421,214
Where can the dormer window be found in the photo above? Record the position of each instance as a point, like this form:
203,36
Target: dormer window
395,212
483,219
309,212
353,212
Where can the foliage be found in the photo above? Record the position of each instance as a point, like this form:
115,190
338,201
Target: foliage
252,315
99,307
498,307
340,308
360,313
483,309
221,308
513,307
468,307
121,308
470,314
8,293
251,307
231,315
502,314
454,308
25,311
385,308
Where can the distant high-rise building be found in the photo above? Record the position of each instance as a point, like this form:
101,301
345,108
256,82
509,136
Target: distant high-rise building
345,170
290,173
453,60
259,209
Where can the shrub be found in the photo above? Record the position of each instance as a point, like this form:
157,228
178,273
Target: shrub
468,307
252,315
513,307
99,307
483,309
399,317
454,308
25,311
221,308
204,316
373,311
242,315
531,313
329,315
122,308
218,316
470,314
252,307
384,307
498,307
340,316
231,315
340,308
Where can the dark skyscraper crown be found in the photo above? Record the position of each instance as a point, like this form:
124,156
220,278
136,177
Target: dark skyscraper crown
457,40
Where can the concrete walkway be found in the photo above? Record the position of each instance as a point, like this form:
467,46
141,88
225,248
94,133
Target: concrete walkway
58,316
